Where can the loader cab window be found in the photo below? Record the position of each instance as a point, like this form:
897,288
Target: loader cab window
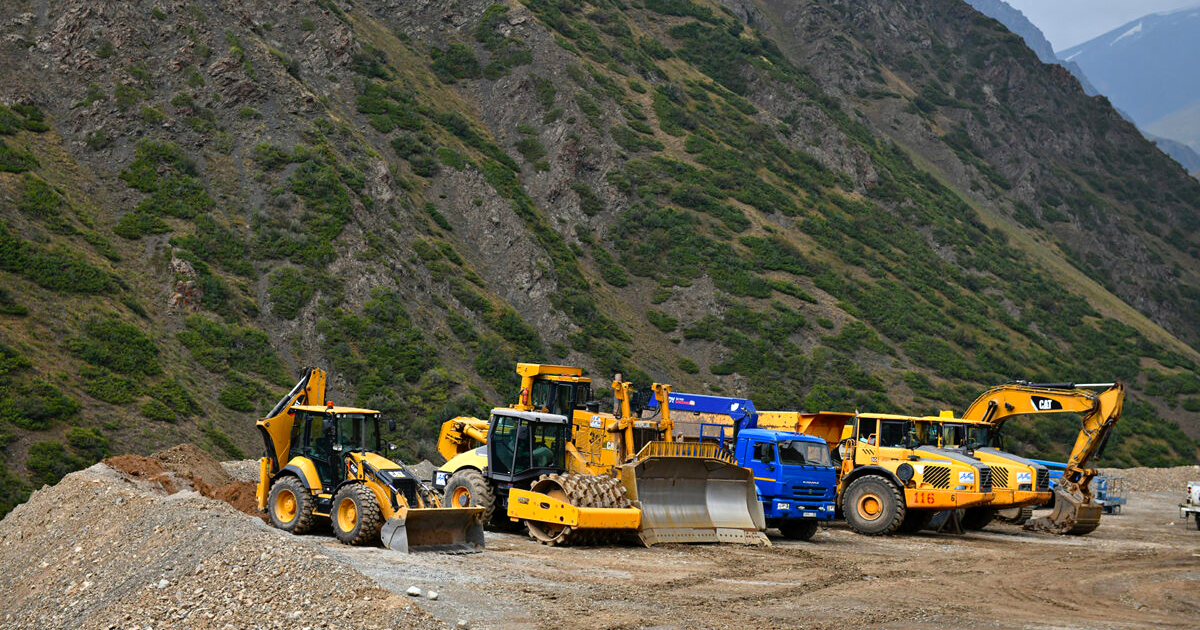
552,397
357,431
519,445
797,453
892,432
867,428
978,436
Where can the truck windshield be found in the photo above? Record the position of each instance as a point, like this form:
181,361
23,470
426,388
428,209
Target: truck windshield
801,453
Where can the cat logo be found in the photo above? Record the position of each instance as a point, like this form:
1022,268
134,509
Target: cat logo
1041,403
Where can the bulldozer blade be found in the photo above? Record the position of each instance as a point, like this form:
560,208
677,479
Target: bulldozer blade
695,500
445,530
1071,516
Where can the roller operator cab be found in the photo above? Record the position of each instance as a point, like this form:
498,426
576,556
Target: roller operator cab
794,476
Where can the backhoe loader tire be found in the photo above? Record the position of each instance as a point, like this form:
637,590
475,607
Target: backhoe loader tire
976,518
873,506
798,530
290,506
356,516
468,488
915,520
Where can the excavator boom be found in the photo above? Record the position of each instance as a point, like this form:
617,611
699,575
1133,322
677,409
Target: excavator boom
1074,511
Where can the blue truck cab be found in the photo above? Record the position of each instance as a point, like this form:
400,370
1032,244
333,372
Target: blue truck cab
794,476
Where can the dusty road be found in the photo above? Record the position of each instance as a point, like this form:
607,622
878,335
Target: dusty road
1139,569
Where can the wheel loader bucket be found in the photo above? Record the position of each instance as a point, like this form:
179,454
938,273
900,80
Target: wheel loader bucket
445,530
694,499
1071,515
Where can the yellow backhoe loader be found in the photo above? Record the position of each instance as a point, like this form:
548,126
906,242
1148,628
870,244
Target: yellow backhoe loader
1074,510
323,461
573,474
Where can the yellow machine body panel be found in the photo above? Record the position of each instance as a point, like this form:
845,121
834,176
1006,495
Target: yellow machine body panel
461,435
535,506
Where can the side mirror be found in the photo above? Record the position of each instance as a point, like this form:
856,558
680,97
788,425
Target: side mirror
770,466
391,447
392,424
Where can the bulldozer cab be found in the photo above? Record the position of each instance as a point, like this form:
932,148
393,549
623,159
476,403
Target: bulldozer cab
525,444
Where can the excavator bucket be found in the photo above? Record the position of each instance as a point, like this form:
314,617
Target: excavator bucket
1071,515
686,498
445,530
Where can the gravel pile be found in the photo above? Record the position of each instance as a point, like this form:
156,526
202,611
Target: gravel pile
242,470
1157,479
423,470
103,549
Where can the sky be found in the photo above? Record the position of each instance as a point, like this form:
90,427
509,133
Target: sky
1070,22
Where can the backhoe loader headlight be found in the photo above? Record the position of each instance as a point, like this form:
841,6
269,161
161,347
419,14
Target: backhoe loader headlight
905,473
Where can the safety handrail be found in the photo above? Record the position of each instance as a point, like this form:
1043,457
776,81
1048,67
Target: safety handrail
700,450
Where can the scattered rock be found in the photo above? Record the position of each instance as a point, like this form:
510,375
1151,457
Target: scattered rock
432,595
413,591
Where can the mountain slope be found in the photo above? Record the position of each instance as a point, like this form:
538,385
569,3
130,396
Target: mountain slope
835,205
1146,68
1015,21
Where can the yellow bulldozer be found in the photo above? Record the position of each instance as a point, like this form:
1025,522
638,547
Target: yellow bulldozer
322,461
1074,510
573,474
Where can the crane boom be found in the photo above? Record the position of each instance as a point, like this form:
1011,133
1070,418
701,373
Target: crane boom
1075,512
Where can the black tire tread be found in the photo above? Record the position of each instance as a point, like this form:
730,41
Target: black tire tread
977,518
370,516
481,491
304,518
889,490
798,530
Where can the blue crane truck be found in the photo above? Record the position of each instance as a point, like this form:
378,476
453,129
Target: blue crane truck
793,473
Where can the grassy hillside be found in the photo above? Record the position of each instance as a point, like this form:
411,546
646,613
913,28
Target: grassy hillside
200,198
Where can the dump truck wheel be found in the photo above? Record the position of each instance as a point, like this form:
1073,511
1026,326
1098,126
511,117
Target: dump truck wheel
873,506
290,506
915,520
356,516
1016,516
798,530
581,491
977,518
468,488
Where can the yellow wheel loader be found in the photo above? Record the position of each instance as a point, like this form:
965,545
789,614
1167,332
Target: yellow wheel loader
575,475
1074,510
323,461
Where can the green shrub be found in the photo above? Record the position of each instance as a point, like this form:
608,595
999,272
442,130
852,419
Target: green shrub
9,305
242,394
689,366
36,406
437,217
455,62
108,387
175,397
452,158
662,321
223,442
58,269
90,444
15,160
290,291
48,462
272,157
108,342
530,149
221,348
155,409
138,223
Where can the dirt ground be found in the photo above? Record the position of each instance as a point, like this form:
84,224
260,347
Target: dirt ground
1139,569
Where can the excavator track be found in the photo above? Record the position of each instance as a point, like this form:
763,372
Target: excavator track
595,491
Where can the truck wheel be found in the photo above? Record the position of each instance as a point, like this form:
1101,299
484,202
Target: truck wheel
915,520
977,518
873,506
798,530
356,515
290,506
468,488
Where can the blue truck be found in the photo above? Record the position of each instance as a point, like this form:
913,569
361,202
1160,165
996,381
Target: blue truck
793,473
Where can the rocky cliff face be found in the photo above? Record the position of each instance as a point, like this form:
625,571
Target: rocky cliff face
859,204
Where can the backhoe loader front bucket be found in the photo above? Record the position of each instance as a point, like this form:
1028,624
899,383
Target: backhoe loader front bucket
1072,515
688,496
446,530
